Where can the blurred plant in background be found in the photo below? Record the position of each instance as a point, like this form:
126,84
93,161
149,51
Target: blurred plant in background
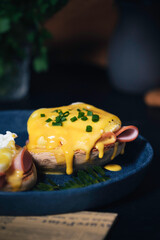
21,24
22,34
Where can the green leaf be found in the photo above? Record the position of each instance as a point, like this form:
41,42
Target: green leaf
94,175
44,7
31,37
83,178
4,25
53,184
99,170
40,64
43,50
44,187
16,17
39,2
54,2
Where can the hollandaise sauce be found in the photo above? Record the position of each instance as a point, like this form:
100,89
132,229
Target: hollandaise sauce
14,178
52,173
113,167
114,151
64,130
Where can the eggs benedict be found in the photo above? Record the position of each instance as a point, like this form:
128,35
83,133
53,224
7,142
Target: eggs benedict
17,171
75,136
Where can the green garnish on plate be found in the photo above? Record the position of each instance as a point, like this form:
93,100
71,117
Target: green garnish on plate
83,178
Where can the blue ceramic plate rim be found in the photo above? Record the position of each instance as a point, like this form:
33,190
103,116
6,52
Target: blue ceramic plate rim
25,203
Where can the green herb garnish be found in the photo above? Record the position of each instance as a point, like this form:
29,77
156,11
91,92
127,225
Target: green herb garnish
44,187
60,112
84,118
63,119
88,128
58,119
49,120
56,124
73,119
89,113
83,178
95,118
80,114
66,114
43,115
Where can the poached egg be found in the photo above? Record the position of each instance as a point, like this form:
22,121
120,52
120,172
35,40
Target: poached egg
7,150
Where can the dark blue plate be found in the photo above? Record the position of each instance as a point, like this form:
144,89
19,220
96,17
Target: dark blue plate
134,162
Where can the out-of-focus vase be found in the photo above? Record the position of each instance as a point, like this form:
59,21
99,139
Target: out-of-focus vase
14,84
134,51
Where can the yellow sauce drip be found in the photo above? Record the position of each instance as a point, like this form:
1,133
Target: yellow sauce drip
100,148
71,136
100,145
122,151
114,151
52,173
113,167
14,179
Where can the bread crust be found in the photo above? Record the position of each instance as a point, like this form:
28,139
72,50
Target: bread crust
46,161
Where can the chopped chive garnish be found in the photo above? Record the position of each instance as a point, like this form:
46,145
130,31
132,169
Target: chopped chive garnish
58,119
95,118
56,124
66,114
63,119
85,109
80,114
88,128
84,118
73,119
78,110
49,120
89,113
43,115
60,113
55,110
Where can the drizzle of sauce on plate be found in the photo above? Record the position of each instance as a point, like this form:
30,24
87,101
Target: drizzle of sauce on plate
113,167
